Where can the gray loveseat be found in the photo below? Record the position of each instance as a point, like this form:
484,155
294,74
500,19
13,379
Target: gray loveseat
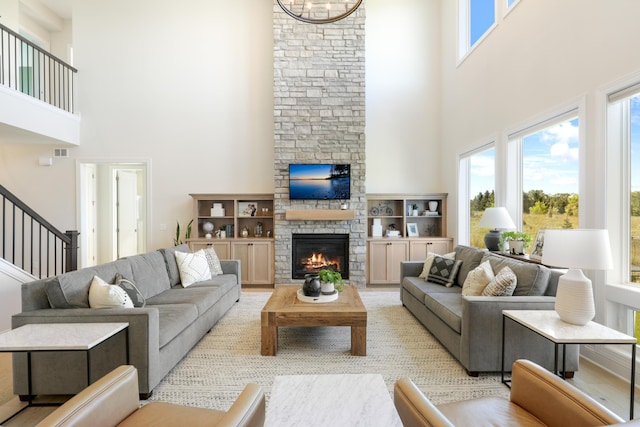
470,327
161,333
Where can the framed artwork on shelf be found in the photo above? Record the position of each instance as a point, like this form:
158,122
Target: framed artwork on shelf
412,229
536,251
247,208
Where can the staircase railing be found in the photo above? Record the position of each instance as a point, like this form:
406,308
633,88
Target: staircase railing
31,242
27,68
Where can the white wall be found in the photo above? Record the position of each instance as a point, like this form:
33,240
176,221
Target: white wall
10,13
543,54
188,86
11,278
403,96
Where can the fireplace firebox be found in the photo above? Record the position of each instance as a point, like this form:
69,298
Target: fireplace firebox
311,253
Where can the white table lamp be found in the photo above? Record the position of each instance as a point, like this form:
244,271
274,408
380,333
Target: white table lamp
576,249
497,219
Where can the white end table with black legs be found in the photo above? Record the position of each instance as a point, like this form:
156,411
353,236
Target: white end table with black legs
547,324
42,337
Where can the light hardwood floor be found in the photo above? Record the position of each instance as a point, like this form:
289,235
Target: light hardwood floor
608,389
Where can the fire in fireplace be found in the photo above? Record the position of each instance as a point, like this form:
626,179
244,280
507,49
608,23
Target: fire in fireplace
314,252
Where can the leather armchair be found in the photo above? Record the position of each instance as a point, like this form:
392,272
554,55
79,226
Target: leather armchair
538,397
113,401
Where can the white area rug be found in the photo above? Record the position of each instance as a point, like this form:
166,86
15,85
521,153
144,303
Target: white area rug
217,369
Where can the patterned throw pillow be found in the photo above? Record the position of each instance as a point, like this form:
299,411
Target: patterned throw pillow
131,289
105,295
502,285
427,263
193,267
214,262
478,279
444,270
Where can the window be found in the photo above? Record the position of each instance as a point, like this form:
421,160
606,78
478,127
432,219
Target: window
510,3
634,178
548,153
482,15
477,192
623,157
623,206
476,18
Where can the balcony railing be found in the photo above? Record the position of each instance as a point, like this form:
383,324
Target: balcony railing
30,242
28,69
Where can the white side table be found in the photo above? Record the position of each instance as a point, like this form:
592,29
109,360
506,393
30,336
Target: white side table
331,400
547,324
59,337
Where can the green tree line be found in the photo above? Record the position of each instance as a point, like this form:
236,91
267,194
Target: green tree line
537,202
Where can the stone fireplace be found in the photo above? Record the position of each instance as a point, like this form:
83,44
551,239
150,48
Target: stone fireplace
311,253
319,117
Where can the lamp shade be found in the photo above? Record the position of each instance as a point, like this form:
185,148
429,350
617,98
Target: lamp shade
496,218
577,248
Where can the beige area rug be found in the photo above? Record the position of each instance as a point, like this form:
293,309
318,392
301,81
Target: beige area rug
217,369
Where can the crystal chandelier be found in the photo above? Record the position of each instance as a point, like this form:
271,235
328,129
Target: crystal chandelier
319,11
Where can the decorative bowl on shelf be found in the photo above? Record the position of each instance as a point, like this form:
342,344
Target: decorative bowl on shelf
393,233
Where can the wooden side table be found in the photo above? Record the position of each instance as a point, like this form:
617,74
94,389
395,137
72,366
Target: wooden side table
59,337
547,324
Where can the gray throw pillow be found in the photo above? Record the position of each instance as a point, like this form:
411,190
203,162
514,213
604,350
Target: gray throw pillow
444,271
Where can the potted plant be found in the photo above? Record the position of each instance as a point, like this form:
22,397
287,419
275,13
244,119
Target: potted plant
414,209
330,281
518,241
187,234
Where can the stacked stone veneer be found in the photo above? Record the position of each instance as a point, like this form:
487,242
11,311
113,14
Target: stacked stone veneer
319,117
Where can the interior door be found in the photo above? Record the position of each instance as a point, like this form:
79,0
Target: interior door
88,217
127,213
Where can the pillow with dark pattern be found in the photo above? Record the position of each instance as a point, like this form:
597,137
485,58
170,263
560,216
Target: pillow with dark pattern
444,270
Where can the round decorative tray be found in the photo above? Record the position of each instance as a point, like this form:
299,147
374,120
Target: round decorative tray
319,299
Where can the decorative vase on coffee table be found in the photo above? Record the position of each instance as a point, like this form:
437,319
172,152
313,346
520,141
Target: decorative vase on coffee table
311,286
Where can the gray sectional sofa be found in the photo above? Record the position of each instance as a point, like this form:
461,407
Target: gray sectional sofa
470,327
160,334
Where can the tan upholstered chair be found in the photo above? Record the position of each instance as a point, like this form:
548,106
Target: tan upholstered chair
538,398
113,401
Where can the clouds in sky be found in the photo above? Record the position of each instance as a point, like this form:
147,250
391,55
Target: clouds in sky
550,159
564,140
484,164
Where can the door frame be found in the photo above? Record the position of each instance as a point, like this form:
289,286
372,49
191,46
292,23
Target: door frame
145,165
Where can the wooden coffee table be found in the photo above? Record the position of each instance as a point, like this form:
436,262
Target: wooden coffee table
285,310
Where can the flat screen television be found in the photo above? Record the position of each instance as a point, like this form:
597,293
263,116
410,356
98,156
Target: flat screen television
319,181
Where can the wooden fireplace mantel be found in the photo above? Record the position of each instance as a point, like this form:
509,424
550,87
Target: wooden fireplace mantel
320,215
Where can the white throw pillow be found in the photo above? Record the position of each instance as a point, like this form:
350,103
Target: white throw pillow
193,267
214,262
478,279
104,295
427,263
